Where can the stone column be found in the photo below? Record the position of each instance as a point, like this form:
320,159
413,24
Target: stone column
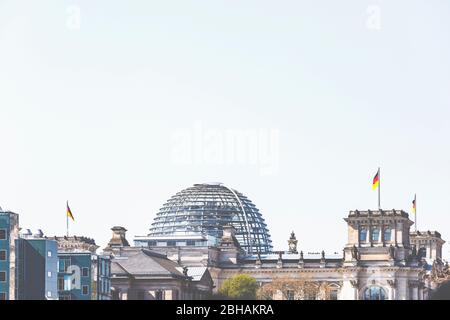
414,290
393,287
280,260
420,297
400,235
300,261
395,233
431,249
355,286
359,236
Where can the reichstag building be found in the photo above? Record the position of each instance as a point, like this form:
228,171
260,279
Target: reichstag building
210,232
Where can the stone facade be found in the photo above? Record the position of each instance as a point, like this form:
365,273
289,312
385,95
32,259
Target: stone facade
379,261
429,243
142,274
76,243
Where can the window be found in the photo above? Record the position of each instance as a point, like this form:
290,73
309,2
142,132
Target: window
2,234
387,234
152,243
159,295
190,242
171,243
310,296
375,234
2,276
64,263
290,294
363,235
49,254
422,253
2,255
333,295
2,296
49,274
60,284
85,272
85,290
374,293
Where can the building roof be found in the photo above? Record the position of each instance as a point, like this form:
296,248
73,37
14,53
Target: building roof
379,213
75,244
196,272
146,263
425,234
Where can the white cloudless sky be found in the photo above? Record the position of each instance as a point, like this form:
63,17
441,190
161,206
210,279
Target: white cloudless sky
88,114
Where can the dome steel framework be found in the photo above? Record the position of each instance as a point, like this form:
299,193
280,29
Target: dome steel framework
205,209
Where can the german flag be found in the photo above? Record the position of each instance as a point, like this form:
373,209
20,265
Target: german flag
414,208
69,212
376,180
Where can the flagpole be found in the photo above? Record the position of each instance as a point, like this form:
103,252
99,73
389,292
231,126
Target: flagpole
379,189
415,211
67,220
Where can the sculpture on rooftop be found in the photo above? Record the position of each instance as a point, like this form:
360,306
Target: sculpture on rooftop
292,242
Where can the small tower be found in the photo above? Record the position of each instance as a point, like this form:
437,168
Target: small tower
292,242
229,248
429,243
379,235
118,240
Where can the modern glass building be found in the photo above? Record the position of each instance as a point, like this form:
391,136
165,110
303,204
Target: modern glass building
74,276
83,276
9,229
203,210
36,274
102,265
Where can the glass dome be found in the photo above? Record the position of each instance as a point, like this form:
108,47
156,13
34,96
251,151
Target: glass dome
205,209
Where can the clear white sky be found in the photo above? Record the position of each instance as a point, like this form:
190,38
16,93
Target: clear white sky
89,111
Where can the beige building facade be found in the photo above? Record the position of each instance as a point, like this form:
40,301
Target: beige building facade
382,260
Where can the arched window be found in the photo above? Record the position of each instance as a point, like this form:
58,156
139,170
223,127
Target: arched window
375,293
363,235
387,234
375,234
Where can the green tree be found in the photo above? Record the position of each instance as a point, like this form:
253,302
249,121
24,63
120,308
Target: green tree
241,286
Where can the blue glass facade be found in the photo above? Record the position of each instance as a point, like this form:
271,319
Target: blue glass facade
83,276
36,269
4,256
103,285
8,231
74,276
31,268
